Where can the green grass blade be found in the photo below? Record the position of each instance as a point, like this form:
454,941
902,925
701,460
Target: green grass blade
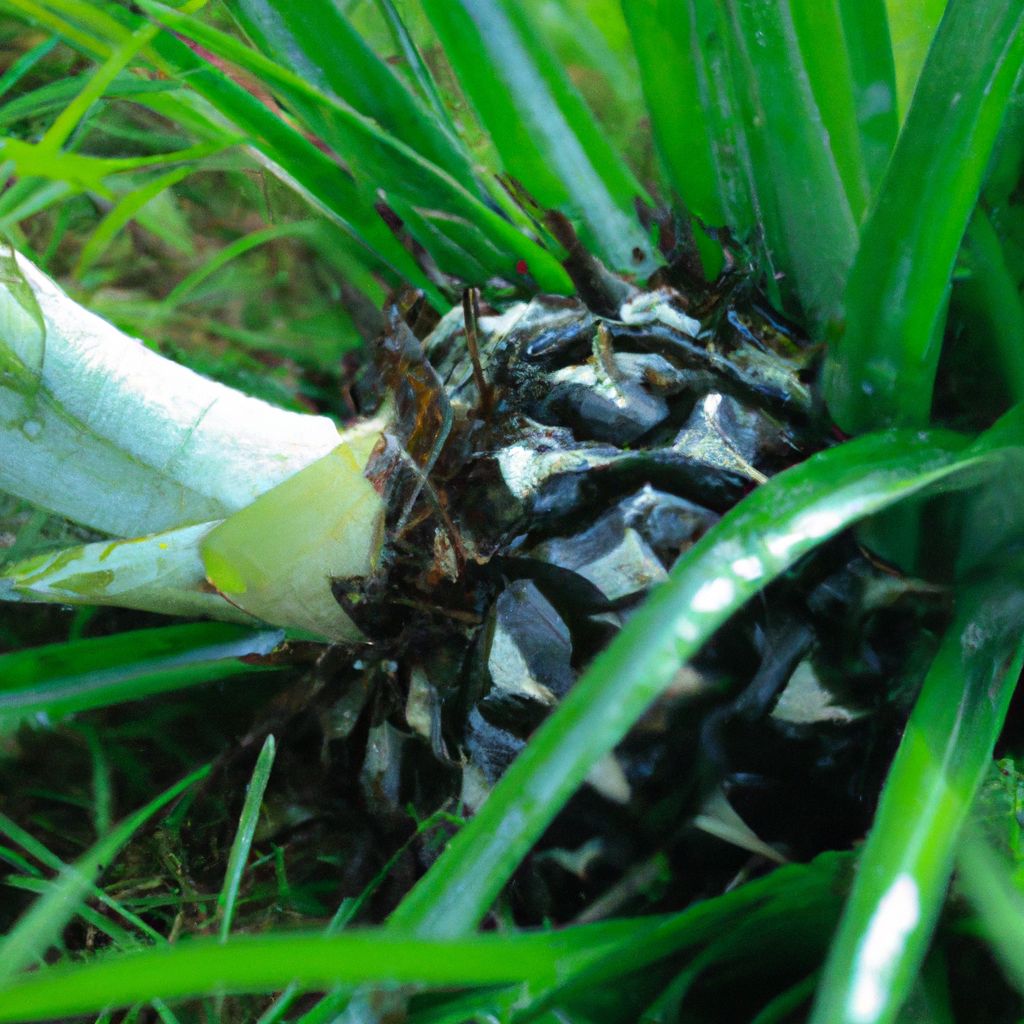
24,64
37,929
870,56
810,231
32,846
125,209
239,247
265,963
319,44
906,864
989,884
330,188
992,297
741,923
882,371
671,62
545,134
61,679
750,546
912,24
819,29
848,58
242,844
465,235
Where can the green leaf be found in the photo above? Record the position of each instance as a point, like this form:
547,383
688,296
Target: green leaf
24,64
683,109
882,371
545,134
942,759
990,886
756,541
421,193
810,231
848,57
42,924
65,678
242,845
912,24
251,963
319,44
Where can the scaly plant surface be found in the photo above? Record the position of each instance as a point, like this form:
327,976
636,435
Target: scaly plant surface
602,527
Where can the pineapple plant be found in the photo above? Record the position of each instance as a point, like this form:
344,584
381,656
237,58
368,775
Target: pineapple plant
591,531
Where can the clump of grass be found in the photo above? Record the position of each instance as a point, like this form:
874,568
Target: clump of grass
233,188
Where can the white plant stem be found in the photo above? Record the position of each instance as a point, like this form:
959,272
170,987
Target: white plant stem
240,510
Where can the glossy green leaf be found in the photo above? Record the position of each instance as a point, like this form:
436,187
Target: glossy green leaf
81,675
868,45
320,45
758,539
42,924
942,758
992,300
810,231
912,26
436,207
673,68
546,136
265,963
848,58
882,371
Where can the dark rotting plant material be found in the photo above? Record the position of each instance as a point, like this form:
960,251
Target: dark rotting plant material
543,468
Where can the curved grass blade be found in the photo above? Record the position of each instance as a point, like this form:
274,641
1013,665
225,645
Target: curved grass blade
756,541
435,206
810,231
905,867
125,209
743,923
61,679
244,834
32,846
250,963
319,44
545,961
545,134
37,929
882,371
326,184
